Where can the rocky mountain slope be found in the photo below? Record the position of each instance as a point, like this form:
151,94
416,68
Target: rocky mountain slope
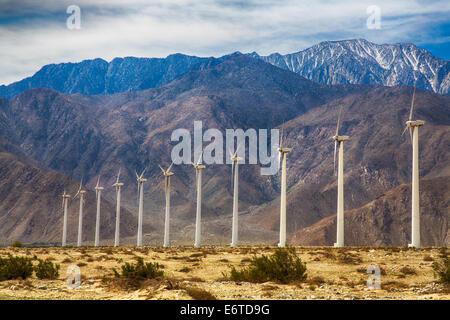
91,135
363,62
30,206
98,76
377,157
387,220
354,61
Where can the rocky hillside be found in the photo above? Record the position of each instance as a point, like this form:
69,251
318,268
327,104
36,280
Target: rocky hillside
91,135
377,158
387,220
31,206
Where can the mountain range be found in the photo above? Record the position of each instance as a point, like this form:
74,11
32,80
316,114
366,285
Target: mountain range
77,132
362,62
332,62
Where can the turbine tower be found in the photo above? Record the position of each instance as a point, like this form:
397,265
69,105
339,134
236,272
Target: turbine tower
198,221
339,147
140,182
167,174
117,185
98,193
80,216
235,176
282,158
64,205
413,126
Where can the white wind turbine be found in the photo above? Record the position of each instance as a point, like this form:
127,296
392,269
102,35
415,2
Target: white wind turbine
98,194
80,216
413,126
140,182
282,158
64,205
339,147
198,174
167,174
235,176
117,185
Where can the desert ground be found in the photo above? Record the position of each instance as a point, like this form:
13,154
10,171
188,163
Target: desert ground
193,273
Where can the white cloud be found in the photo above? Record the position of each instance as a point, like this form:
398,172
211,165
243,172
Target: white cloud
34,34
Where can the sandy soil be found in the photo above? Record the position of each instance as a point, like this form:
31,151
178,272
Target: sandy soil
332,274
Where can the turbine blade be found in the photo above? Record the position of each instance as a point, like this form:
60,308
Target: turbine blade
199,158
168,169
411,135
411,110
142,173
118,175
137,176
406,128
98,181
339,120
237,149
281,137
138,189
162,169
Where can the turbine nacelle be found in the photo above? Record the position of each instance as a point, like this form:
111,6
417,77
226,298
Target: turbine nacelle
236,159
198,166
118,184
340,138
415,123
284,150
168,174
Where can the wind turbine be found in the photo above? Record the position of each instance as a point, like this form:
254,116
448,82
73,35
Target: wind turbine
283,153
98,193
235,176
117,185
64,205
339,148
167,174
413,126
140,182
198,174
80,216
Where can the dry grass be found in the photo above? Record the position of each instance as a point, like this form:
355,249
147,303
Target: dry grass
332,272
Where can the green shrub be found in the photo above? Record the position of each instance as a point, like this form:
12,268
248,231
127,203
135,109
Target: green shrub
46,269
140,270
442,270
16,244
15,268
282,266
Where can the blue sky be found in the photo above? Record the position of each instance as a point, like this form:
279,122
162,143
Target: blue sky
34,33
